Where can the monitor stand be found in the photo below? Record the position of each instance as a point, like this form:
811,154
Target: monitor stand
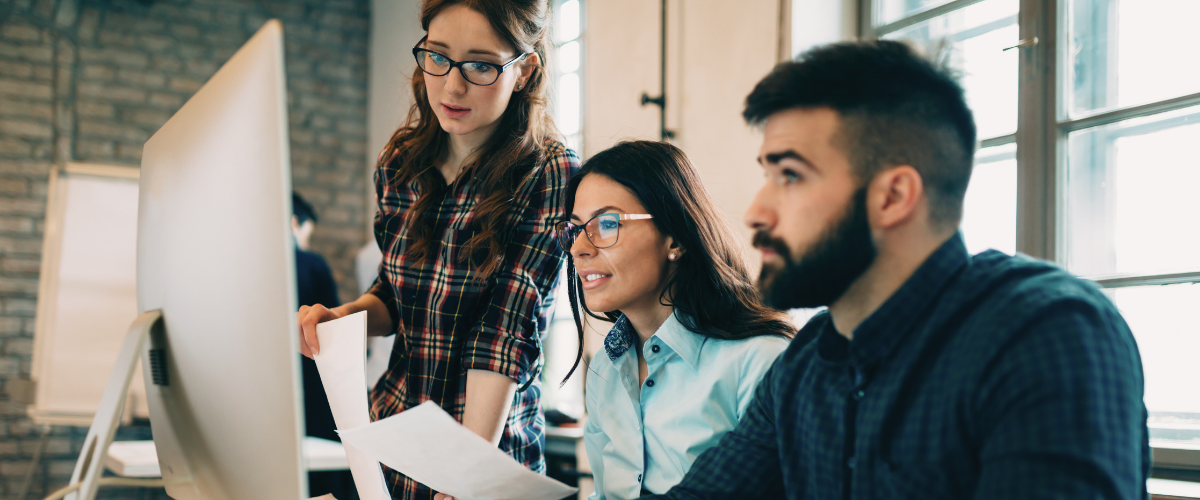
86,479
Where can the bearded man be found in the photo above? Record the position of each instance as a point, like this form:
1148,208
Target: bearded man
934,374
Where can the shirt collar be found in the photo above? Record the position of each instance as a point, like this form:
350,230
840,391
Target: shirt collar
620,338
678,338
672,333
882,331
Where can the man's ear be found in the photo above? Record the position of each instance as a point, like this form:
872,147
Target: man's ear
895,195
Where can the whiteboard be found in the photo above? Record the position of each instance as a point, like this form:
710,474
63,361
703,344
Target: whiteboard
87,294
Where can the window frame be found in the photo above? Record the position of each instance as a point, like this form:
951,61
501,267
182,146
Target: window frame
1043,126
563,319
581,71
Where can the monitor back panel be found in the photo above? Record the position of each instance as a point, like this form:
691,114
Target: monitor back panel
215,255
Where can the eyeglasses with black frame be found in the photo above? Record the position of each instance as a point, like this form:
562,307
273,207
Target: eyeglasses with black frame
480,73
601,230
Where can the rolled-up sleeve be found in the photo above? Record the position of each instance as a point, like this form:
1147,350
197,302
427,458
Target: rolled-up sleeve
507,337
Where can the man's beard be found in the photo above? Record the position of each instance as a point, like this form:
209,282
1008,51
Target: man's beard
821,275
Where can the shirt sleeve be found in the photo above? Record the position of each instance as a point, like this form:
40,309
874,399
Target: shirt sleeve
1061,411
595,440
745,463
506,339
757,360
381,288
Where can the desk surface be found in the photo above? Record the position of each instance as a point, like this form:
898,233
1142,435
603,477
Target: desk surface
140,458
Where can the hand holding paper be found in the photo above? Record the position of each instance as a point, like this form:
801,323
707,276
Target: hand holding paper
428,445
342,364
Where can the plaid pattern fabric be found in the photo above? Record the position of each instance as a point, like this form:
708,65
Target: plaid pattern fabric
985,377
450,322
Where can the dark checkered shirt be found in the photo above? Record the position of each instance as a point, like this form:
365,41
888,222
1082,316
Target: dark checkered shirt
449,322
985,377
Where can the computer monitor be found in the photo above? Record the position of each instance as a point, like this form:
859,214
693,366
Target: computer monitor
215,255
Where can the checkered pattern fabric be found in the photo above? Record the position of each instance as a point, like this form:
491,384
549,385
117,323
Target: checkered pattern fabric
450,322
987,377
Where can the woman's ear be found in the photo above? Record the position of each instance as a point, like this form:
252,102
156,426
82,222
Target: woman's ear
675,251
527,66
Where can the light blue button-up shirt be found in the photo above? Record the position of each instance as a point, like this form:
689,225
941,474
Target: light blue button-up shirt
696,390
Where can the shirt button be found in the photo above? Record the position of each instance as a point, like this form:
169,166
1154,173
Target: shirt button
851,462
639,478
655,348
649,383
858,395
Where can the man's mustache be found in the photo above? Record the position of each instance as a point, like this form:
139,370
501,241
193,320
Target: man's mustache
763,239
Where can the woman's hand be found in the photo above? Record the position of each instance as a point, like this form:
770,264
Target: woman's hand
307,318
442,496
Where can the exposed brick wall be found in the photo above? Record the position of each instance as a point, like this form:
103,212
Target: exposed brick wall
91,80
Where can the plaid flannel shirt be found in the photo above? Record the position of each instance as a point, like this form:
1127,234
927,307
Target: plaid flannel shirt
450,322
989,378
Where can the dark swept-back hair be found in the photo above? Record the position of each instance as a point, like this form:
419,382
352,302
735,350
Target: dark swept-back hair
896,106
710,285
518,146
302,209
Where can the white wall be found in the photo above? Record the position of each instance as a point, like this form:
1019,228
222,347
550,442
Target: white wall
816,22
395,28
717,51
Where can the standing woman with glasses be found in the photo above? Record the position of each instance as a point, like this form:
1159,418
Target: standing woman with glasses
469,190
691,338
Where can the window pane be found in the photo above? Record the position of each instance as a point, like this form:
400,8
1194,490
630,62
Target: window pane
1131,196
1166,323
1127,52
977,36
560,346
575,143
990,208
568,57
568,104
887,11
568,21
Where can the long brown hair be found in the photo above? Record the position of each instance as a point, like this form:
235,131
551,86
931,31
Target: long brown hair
515,149
710,285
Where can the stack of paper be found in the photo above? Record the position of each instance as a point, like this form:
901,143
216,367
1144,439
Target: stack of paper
342,364
428,445
424,443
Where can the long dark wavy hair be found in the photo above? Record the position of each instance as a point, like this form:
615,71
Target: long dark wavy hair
711,285
514,151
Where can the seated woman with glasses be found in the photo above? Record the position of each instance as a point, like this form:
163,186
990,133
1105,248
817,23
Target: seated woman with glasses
691,338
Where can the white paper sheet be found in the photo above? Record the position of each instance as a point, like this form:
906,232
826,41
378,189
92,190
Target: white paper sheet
342,364
428,445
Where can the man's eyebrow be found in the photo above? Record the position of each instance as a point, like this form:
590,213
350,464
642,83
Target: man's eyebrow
775,158
598,212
